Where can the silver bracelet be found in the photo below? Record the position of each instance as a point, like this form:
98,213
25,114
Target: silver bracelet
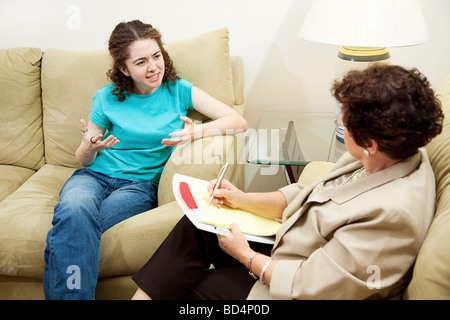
250,266
261,276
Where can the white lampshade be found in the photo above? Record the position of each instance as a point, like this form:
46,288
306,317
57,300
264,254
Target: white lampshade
364,29
365,23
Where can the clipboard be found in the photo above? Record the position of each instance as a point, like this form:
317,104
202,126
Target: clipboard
192,214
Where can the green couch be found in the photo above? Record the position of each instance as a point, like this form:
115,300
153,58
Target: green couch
431,274
43,95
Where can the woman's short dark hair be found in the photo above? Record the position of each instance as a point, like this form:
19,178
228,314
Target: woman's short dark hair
123,35
392,105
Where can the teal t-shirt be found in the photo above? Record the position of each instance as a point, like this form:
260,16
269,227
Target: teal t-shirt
140,123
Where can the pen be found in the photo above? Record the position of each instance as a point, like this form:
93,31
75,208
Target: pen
219,181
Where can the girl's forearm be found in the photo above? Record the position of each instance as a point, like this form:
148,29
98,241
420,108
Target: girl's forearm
229,124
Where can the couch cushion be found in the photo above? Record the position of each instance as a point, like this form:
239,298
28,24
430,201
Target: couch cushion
431,276
25,218
69,81
124,248
205,61
71,78
11,178
21,142
439,148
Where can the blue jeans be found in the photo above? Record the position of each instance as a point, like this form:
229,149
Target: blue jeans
89,204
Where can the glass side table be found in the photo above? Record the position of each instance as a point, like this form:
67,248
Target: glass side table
294,139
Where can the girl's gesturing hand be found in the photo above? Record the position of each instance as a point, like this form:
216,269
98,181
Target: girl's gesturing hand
185,135
94,142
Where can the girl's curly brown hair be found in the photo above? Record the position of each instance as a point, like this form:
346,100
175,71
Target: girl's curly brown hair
392,105
123,35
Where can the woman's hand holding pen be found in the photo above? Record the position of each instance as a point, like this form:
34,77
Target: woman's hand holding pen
227,194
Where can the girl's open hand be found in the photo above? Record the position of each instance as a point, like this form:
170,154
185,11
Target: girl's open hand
94,142
181,136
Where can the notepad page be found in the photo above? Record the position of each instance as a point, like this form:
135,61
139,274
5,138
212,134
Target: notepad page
224,216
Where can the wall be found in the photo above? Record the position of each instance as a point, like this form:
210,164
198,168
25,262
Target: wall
282,72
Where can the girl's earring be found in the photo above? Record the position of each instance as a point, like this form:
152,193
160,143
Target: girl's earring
366,152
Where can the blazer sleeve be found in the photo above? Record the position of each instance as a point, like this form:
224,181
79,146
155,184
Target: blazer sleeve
291,191
361,258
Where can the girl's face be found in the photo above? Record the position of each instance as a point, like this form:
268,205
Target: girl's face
145,65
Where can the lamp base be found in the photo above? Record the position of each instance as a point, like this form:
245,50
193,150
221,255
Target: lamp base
359,58
364,54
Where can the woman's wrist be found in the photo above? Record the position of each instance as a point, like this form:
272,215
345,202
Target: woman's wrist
249,267
258,265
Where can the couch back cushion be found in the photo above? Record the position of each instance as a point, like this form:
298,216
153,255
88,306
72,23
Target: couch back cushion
69,81
431,276
205,61
21,142
71,78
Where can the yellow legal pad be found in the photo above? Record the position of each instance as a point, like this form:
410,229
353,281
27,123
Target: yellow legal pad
248,222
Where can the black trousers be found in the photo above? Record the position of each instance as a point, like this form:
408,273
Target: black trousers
180,268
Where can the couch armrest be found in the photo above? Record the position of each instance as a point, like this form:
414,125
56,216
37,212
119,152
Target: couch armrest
315,170
203,158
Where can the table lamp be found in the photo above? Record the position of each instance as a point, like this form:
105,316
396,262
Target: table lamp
364,29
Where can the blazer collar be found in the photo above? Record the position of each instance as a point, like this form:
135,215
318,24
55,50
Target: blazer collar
346,192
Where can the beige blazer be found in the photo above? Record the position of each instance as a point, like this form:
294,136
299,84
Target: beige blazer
353,241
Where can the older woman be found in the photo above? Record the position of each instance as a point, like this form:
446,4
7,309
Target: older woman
353,234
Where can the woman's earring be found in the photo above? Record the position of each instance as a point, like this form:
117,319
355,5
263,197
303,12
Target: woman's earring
366,152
